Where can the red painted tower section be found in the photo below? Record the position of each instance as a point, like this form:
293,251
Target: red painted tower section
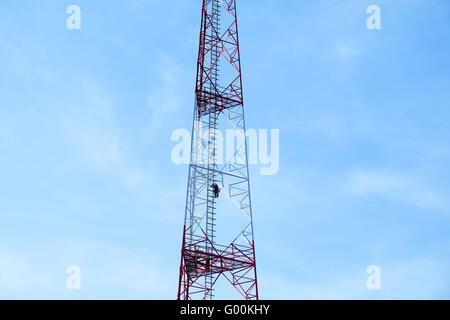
219,105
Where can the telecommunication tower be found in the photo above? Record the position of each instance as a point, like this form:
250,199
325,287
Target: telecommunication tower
218,242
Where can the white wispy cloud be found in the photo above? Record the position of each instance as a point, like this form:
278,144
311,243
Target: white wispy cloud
137,271
347,50
403,278
20,276
7,45
404,188
166,98
107,270
91,128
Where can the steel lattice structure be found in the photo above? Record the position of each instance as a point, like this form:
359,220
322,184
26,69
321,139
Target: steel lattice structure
218,105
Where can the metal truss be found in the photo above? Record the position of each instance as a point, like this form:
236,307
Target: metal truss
218,106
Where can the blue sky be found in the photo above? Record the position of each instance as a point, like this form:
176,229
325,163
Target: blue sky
86,118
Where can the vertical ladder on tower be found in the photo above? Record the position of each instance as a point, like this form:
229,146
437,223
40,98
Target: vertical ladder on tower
212,149
211,203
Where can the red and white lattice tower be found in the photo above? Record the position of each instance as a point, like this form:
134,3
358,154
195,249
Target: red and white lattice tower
218,243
